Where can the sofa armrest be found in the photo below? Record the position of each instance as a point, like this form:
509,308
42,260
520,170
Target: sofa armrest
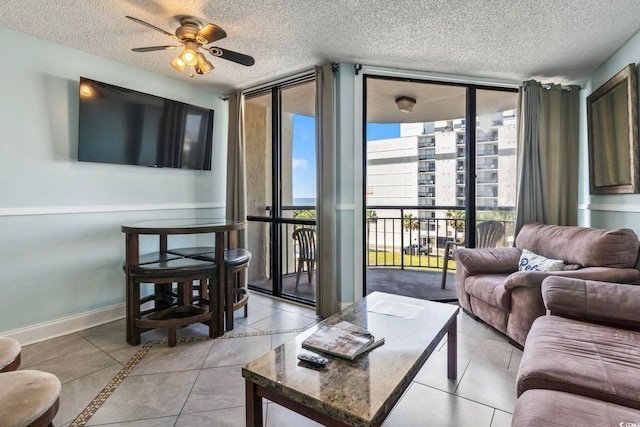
487,260
592,301
532,279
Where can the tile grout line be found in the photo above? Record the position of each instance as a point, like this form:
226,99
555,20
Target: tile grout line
105,393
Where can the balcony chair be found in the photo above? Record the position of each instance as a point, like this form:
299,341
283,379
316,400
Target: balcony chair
306,239
488,234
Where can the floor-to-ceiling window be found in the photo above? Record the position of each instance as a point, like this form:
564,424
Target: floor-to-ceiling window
440,157
281,188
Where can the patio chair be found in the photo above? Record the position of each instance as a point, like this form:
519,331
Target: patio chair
488,234
306,239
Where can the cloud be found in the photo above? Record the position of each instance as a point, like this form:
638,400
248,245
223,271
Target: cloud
300,164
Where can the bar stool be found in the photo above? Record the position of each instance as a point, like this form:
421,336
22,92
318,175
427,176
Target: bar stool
236,262
172,309
29,398
10,354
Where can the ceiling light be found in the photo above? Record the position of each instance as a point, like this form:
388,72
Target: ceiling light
203,66
178,64
405,104
190,53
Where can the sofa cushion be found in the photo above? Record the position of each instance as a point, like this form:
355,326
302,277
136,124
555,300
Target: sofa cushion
591,360
588,247
490,289
536,408
530,261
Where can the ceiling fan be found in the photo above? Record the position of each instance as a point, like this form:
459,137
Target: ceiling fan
194,36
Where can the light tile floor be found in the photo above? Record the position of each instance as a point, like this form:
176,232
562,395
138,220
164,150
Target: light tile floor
200,383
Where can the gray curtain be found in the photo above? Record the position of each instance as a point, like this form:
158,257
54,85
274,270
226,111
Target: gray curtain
236,206
326,278
548,144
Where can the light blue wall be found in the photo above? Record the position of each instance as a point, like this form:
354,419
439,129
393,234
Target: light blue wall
606,211
61,248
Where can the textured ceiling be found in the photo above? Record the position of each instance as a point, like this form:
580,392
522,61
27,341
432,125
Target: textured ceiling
560,41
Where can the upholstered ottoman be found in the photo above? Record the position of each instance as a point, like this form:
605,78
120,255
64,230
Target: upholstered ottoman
587,359
28,398
10,351
538,408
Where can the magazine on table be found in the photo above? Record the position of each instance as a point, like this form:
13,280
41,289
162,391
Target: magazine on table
343,339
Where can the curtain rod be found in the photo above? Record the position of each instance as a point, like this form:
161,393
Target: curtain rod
548,86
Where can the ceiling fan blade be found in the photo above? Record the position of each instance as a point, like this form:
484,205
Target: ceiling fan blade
211,33
146,24
153,48
230,55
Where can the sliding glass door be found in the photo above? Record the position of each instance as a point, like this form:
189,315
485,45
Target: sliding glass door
281,188
440,157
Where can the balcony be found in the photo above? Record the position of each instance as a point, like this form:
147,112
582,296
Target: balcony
492,137
482,153
430,168
387,233
487,166
426,144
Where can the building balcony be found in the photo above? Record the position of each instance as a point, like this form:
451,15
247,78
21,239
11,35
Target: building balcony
487,153
489,166
426,144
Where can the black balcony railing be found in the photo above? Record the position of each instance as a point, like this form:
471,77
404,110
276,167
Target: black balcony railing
394,238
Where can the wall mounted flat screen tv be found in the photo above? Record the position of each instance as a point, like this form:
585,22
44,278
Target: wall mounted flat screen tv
124,126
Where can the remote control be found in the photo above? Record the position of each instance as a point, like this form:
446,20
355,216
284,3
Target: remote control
311,358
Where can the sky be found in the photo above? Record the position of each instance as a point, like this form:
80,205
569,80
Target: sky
304,151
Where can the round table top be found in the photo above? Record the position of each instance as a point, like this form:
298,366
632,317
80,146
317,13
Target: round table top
183,226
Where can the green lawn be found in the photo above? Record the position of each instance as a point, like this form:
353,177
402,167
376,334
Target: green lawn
394,259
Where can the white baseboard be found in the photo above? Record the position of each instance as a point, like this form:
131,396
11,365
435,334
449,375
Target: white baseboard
66,325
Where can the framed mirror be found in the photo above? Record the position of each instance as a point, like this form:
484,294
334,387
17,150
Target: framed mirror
613,135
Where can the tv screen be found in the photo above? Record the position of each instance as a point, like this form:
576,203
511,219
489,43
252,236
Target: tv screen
119,125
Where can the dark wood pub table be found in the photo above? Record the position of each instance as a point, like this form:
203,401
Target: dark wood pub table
363,391
225,232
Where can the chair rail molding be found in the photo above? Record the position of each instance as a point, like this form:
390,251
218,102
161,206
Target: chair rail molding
84,209
610,207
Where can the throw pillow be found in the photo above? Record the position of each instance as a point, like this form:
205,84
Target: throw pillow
530,261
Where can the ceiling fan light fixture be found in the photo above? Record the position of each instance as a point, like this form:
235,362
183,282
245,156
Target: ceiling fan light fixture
190,53
405,104
193,36
203,65
178,64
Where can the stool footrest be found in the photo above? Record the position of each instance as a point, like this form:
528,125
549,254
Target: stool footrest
175,316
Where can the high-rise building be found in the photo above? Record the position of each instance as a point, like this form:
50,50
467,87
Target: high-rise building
424,171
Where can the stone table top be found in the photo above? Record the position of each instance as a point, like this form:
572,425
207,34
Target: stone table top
363,391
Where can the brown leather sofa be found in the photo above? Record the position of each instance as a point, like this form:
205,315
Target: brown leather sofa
581,363
491,288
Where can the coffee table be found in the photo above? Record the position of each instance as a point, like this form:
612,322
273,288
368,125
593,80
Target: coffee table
361,392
